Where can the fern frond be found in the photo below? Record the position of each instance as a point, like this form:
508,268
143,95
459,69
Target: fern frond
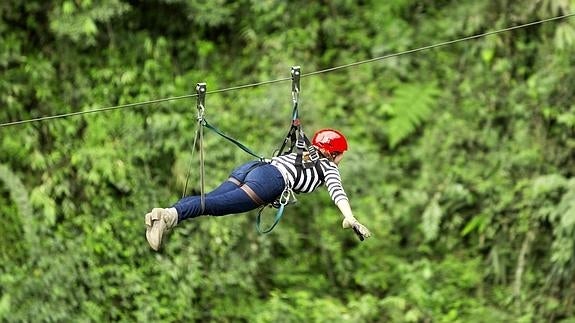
563,247
411,105
20,196
431,219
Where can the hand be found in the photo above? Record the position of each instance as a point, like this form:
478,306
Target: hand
360,230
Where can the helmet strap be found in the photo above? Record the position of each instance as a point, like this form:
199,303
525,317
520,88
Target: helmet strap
324,153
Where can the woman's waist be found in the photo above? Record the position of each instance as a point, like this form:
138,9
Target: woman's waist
288,179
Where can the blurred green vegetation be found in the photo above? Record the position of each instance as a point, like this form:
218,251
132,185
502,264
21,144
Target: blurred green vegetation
462,161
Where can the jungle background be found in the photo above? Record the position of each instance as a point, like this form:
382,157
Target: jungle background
461,161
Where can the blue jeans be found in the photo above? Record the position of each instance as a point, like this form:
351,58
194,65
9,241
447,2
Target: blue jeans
264,179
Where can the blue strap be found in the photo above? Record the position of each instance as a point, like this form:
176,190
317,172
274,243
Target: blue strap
277,218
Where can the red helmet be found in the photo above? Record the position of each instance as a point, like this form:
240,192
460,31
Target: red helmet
330,140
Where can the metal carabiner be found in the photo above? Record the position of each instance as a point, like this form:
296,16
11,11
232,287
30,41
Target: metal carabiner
287,196
201,90
295,88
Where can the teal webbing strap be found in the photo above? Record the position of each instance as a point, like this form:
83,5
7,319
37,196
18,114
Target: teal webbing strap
277,219
237,143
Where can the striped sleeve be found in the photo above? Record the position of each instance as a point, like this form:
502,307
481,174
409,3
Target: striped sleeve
333,181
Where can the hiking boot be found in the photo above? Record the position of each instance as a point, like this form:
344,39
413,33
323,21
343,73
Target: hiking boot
158,222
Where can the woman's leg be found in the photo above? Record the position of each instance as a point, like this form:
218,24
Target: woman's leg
234,201
265,180
187,207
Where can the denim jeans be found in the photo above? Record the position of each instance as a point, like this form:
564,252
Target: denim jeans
228,198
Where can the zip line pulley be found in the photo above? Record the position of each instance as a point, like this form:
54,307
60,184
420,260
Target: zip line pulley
201,90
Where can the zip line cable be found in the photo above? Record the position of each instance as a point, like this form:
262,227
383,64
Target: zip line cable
411,51
327,70
116,107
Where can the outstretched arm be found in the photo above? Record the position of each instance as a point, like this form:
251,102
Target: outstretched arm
338,196
349,221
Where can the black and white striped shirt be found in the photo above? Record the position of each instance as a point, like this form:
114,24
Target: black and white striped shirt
309,179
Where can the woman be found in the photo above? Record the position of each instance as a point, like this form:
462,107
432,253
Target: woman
258,183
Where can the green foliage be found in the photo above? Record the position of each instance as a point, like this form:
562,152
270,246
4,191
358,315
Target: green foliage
461,161
78,20
410,107
558,208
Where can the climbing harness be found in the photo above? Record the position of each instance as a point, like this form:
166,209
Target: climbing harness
301,142
295,136
287,195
